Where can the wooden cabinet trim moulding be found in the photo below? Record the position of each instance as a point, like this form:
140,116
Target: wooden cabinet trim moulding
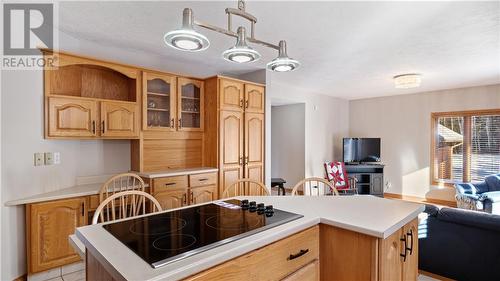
416,199
139,68
90,99
234,79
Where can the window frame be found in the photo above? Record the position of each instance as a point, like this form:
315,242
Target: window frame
467,115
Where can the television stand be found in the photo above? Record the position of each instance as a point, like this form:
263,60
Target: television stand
370,177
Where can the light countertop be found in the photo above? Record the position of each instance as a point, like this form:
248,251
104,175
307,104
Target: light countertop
92,189
177,172
365,214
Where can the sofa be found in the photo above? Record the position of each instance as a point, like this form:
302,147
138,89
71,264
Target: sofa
459,244
480,196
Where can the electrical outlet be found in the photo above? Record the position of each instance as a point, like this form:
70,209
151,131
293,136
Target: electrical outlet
39,159
49,158
57,158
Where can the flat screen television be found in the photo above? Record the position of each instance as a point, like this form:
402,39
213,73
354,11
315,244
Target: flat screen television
361,150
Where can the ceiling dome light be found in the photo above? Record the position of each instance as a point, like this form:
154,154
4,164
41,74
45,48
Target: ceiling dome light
241,52
283,63
407,81
186,38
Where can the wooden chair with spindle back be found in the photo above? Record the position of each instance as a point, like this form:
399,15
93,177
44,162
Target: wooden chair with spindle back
245,187
314,187
120,183
125,204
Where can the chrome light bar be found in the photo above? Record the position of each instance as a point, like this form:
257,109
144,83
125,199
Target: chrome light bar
187,39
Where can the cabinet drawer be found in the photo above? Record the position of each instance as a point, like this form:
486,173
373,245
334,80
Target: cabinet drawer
272,262
202,179
179,182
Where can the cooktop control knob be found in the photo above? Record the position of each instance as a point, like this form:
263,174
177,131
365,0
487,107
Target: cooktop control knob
260,207
244,202
252,206
269,211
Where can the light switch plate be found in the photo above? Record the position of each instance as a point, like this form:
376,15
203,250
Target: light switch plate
39,159
49,158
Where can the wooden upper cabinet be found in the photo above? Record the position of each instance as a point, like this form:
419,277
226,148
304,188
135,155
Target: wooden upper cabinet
119,119
190,104
159,102
49,225
71,117
254,98
254,146
78,87
231,95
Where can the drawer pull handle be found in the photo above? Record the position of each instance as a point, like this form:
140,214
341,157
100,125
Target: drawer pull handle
299,254
170,183
203,179
410,234
405,247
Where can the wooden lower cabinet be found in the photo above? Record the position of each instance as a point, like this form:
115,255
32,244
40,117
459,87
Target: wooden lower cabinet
202,194
173,198
179,191
48,226
272,262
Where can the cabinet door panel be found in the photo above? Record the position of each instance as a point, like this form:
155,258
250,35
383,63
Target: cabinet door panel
231,95
229,175
50,224
171,199
390,250
254,98
231,148
190,105
377,184
254,146
410,266
119,119
159,102
71,117
203,194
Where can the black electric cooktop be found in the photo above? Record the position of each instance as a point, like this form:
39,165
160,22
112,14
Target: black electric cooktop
167,237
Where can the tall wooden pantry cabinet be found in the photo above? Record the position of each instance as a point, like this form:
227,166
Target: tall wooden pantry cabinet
235,141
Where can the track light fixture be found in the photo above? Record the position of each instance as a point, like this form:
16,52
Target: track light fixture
187,39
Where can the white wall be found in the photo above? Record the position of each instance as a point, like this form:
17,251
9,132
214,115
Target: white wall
288,142
326,122
403,123
22,135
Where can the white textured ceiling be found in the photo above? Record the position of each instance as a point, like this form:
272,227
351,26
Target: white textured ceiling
347,49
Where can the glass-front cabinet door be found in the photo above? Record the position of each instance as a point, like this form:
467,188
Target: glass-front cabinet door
190,107
159,100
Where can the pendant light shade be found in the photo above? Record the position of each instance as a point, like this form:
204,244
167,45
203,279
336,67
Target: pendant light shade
241,52
283,63
186,38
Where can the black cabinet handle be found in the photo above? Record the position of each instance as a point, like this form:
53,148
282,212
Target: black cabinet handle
403,239
410,234
184,198
205,179
83,209
103,128
246,104
93,127
241,103
299,254
170,183
180,123
172,123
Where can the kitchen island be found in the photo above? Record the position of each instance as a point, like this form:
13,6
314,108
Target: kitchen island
357,237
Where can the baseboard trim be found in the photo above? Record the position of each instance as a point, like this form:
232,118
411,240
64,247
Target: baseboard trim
452,204
435,276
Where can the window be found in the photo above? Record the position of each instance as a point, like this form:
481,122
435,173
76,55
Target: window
465,146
